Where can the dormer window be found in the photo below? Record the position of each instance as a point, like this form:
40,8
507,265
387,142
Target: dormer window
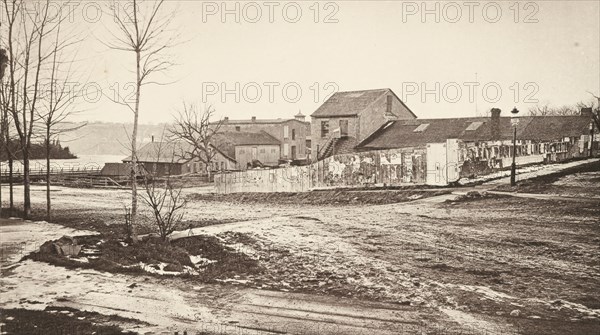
421,128
474,125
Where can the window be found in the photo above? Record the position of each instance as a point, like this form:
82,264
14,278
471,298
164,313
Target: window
237,128
324,128
273,151
286,149
262,150
242,151
421,128
293,134
474,125
343,127
222,165
286,130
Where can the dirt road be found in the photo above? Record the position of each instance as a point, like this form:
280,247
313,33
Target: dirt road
493,264
174,305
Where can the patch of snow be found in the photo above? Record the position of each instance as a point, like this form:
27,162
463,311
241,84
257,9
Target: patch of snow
483,290
200,261
573,306
235,281
150,269
480,326
80,259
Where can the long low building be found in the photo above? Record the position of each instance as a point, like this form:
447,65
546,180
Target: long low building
233,151
401,149
468,147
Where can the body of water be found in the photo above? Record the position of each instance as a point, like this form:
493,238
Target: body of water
82,162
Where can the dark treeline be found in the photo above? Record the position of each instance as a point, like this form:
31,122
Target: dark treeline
38,151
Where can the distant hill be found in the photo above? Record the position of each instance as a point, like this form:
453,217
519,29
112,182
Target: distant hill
38,151
107,138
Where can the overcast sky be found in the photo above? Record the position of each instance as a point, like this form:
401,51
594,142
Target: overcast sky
522,54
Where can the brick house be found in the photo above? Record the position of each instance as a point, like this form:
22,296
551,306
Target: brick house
292,134
347,118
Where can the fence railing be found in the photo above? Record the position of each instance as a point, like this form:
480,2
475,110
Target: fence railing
54,172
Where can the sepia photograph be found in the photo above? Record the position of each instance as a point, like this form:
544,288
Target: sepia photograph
307,167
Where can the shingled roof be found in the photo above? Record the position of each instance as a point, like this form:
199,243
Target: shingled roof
248,138
159,152
224,142
556,127
404,133
228,140
351,103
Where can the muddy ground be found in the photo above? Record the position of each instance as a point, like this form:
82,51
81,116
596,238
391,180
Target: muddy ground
490,263
60,320
340,197
578,181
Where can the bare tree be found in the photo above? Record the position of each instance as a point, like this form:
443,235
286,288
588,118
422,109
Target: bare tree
546,110
164,199
27,31
195,130
3,62
167,205
12,10
3,111
142,30
57,105
6,140
566,110
539,110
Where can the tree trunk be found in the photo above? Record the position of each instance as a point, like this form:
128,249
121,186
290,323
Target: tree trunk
0,192
134,150
26,186
48,205
10,184
10,165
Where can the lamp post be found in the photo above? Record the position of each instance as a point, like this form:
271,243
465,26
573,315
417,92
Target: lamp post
513,169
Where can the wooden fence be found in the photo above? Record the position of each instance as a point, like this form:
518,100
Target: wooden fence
56,174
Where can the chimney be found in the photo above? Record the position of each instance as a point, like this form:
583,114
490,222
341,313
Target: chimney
152,138
587,112
388,106
495,124
254,119
226,119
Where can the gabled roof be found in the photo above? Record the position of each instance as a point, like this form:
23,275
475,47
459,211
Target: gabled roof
351,103
556,127
226,141
400,134
246,138
160,152
223,142
173,152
